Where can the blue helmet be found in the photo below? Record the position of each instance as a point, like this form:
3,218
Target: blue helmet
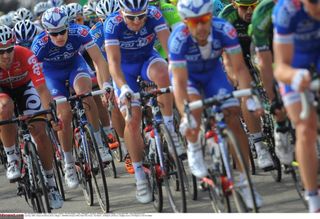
55,3
194,8
133,5
25,31
54,19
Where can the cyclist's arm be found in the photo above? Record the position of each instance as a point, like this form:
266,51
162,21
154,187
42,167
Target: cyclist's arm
266,70
114,60
163,37
100,64
45,95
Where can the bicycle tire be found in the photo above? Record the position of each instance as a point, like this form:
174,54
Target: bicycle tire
173,179
156,184
231,141
83,173
97,170
58,176
118,152
39,181
107,164
298,184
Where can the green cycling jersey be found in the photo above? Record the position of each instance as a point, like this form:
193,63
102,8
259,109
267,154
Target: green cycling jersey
261,26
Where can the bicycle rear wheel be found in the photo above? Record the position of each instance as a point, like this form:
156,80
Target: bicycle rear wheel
97,170
235,190
38,181
111,167
173,179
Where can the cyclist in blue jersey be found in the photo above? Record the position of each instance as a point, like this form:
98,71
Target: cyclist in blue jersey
129,39
296,50
103,9
58,49
195,50
25,31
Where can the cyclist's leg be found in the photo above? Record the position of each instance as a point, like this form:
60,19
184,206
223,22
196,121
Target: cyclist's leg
306,135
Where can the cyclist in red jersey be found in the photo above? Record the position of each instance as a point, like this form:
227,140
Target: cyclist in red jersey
22,84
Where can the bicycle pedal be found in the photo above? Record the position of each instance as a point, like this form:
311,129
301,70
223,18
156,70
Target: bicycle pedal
183,156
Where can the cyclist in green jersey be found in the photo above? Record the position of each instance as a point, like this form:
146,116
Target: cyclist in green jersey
171,16
239,14
262,33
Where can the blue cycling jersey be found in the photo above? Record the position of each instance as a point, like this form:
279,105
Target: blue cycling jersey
62,57
134,46
206,75
98,37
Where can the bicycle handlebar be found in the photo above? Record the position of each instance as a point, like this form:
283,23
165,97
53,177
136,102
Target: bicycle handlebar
305,107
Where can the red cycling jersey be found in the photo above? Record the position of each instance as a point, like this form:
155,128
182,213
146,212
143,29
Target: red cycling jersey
24,67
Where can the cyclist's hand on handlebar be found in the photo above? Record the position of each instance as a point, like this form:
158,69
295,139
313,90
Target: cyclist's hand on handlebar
186,125
110,92
301,80
125,92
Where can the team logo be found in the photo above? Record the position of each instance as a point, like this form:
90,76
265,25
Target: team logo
84,32
156,14
230,31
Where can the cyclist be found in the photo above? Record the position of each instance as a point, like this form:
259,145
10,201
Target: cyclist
195,49
58,49
22,83
296,49
89,12
38,10
170,15
129,39
6,19
25,32
103,9
22,14
239,15
75,13
262,32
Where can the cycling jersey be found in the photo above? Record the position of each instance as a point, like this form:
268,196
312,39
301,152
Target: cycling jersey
98,37
24,67
262,28
230,14
205,75
63,63
134,46
292,25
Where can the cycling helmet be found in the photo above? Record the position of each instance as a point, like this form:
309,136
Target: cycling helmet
7,37
6,20
155,3
55,3
54,19
22,14
74,9
192,8
25,31
89,9
40,7
133,5
106,7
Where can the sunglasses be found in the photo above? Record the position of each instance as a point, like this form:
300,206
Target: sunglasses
313,1
62,32
246,6
9,50
134,17
193,22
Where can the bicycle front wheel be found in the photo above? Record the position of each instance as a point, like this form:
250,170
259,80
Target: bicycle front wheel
173,179
97,170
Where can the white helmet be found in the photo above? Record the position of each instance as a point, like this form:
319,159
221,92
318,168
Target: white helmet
22,14
106,7
194,8
25,31
89,8
74,9
54,19
55,3
7,37
133,5
6,20
40,7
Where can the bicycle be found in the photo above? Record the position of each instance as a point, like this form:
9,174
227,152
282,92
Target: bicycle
87,157
161,162
220,181
32,184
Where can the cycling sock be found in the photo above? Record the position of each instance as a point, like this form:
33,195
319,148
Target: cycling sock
194,146
123,146
168,120
97,136
68,158
138,171
257,139
313,199
50,178
11,153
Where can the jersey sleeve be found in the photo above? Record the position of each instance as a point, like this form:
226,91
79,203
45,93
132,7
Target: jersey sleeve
170,14
85,37
38,46
229,38
177,46
157,19
283,18
34,68
111,32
